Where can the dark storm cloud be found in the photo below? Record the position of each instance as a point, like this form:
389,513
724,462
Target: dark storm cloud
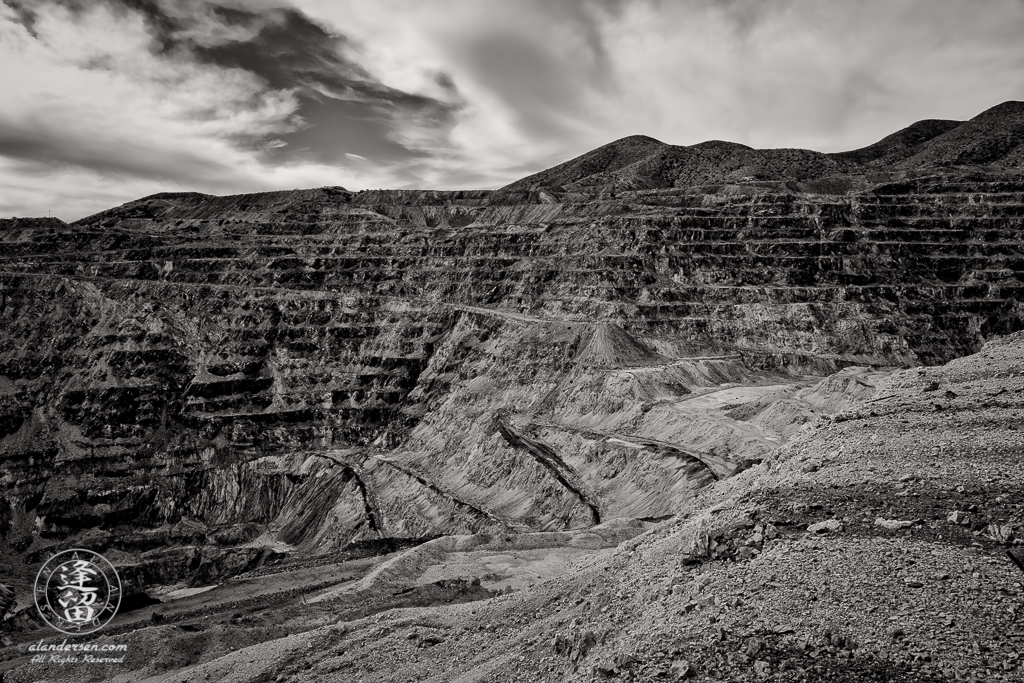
346,110
342,110
289,50
44,146
26,17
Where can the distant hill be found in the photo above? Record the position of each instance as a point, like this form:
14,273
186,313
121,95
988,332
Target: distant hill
901,143
607,159
994,137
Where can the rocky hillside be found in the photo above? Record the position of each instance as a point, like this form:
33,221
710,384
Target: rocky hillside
196,385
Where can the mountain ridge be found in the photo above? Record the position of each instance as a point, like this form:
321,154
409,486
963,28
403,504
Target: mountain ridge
641,162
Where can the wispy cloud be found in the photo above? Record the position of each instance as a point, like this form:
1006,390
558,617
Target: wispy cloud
105,100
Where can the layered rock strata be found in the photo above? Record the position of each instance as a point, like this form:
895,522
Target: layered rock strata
299,370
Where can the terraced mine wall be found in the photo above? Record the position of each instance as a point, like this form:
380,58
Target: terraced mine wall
321,366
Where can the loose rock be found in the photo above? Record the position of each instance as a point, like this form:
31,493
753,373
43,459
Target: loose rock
829,525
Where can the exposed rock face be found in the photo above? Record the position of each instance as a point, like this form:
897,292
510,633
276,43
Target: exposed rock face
314,367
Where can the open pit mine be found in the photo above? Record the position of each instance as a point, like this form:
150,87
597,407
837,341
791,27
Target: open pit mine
657,413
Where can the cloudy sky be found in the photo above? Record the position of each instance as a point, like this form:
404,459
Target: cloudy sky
104,101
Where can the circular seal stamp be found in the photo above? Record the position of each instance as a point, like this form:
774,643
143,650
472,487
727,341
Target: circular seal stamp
77,591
